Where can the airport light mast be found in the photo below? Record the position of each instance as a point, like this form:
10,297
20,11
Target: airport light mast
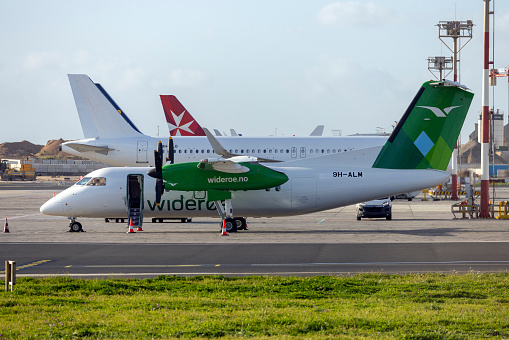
485,127
440,64
455,30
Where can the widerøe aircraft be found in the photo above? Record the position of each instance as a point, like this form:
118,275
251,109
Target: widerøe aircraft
111,138
414,157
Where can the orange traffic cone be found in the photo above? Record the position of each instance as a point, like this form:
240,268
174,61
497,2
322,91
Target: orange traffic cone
6,227
139,228
223,229
131,230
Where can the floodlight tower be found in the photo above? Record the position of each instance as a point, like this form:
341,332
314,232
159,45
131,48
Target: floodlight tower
485,127
455,30
440,64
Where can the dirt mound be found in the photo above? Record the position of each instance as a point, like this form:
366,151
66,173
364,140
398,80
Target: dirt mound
19,150
52,150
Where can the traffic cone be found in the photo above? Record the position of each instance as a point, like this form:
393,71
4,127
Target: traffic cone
223,229
6,227
139,228
131,230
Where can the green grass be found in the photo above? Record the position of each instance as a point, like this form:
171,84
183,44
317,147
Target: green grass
430,306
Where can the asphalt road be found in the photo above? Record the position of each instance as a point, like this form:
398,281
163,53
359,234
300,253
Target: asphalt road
422,237
147,260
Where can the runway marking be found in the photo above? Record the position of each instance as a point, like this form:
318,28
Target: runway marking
23,216
28,265
276,264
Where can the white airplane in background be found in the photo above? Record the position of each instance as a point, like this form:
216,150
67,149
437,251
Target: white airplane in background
414,157
111,138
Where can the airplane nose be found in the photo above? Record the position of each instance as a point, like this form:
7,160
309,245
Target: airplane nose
52,207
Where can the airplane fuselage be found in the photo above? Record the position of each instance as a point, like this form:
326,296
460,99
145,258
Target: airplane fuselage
139,151
309,189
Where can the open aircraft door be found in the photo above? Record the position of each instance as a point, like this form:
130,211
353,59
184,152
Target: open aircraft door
135,199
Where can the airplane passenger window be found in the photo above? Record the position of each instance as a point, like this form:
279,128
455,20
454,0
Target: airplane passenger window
323,151
185,151
83,181
310,150
333,150
275,151
287,151
236,150
97,181
259,151
270,150
328,150
281,150
264,150
317,151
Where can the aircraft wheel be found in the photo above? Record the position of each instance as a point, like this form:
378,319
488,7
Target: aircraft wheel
75,227
241,223
231,225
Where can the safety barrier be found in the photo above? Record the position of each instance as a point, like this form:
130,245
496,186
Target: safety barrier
503,210
446,194
465,209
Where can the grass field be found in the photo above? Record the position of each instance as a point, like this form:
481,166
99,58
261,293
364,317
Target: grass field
429,306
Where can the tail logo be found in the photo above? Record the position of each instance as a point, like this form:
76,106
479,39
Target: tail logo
439,112
177,128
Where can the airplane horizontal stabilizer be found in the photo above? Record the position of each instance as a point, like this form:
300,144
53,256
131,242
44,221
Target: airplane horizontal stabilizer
87,148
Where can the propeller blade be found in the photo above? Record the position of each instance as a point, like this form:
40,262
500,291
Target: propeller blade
157,172
171,151
159,190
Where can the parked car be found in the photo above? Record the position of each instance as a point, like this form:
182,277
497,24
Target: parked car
381,207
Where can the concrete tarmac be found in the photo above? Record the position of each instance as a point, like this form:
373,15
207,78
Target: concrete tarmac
425,227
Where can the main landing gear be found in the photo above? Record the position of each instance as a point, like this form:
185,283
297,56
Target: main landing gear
231,223
75,227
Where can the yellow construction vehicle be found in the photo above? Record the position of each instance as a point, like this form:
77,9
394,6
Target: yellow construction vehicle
17,171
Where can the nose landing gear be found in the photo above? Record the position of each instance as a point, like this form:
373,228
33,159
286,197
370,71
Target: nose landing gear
75,227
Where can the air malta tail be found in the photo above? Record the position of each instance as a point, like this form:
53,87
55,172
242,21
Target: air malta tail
99,115
180,122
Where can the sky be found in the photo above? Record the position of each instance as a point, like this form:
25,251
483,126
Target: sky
260,67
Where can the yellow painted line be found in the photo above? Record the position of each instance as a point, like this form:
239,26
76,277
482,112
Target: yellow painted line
28,265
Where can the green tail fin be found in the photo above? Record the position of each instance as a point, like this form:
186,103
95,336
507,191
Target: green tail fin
427,133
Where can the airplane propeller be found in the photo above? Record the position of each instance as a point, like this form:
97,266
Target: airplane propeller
157,172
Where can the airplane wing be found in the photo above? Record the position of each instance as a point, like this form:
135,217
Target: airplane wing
223,166
84,148
218,148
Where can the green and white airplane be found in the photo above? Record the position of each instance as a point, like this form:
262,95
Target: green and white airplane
414,157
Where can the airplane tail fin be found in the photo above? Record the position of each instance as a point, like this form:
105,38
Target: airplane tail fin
180,122
99,115
428,131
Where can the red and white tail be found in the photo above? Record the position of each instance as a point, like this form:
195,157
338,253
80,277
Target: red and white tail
180,121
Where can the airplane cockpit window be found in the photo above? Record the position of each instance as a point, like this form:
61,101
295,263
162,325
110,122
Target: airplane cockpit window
97,181
83,181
